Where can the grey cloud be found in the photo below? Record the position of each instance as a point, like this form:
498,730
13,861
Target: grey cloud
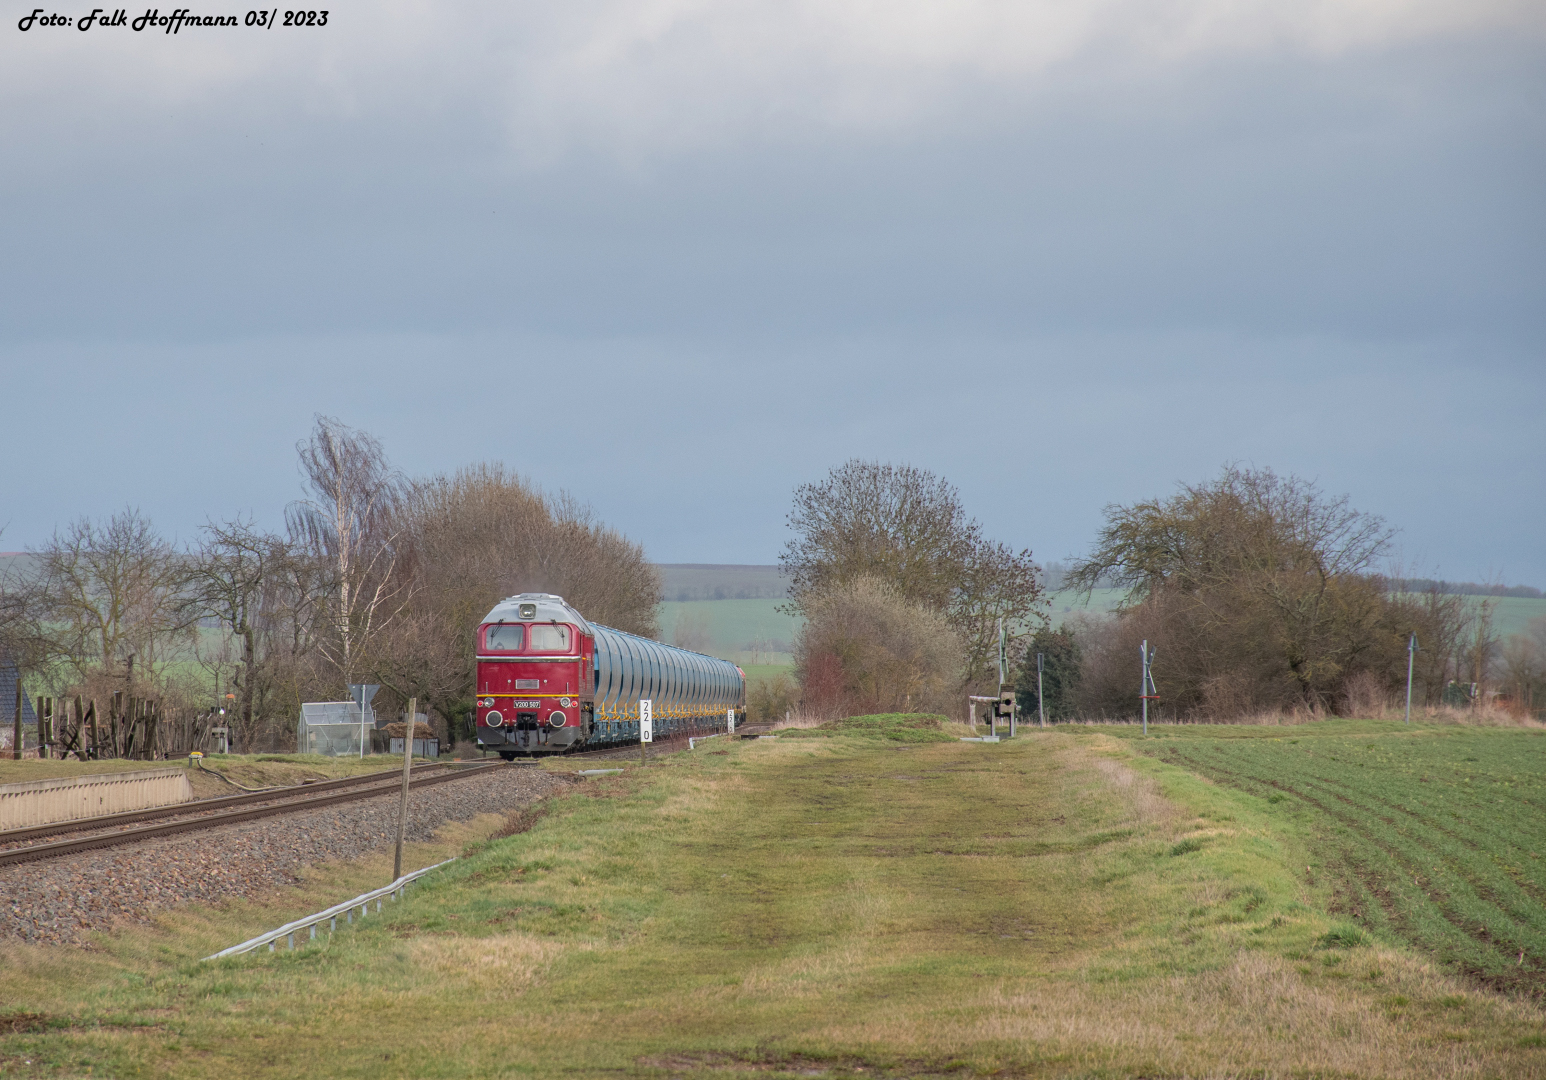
1328,263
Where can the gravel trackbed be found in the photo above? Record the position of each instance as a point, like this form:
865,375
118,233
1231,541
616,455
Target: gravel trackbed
57,900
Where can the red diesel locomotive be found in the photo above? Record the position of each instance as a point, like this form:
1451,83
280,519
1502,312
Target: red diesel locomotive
549,681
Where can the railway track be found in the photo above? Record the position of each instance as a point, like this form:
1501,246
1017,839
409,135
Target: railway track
210,813
631,750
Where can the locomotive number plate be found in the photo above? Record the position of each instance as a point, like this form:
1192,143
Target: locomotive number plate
525,704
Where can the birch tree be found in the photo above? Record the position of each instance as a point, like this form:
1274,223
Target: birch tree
351,522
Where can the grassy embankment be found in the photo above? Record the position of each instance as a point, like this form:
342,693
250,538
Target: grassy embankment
876,899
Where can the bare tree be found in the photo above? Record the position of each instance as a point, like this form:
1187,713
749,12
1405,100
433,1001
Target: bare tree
1257,588
691,632
896,523
238,577
1441,620
998,586
907,527
24,638
866,648
114,594
483,533
1482,649
1524,667
297,617
1246,521
352,522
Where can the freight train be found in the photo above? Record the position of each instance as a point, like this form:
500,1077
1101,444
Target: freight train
550,681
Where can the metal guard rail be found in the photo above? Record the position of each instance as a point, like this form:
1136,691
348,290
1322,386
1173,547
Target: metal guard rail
290,929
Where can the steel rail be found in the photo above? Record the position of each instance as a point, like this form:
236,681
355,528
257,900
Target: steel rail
229,817
663,744
107,821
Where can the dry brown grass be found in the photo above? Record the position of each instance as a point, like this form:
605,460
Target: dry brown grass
1258,1015
500,964
1140,795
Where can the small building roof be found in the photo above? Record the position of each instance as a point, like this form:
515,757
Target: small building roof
8,676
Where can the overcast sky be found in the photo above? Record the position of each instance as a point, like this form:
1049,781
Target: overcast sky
678,256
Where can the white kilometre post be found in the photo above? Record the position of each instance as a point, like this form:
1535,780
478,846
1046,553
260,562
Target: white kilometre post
646,727
730,721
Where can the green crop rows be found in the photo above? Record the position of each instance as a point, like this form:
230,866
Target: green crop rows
1430,836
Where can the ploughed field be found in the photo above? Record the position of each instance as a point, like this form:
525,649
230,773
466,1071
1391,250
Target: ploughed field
1435,837
873,899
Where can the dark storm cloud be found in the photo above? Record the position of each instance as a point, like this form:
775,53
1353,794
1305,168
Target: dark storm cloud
1078,283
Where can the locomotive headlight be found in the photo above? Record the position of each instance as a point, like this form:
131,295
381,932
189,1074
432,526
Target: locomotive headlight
564,702
558,719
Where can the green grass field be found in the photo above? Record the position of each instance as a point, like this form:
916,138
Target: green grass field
1062,604
1513,614
732,625
766,671
873,899
1434,837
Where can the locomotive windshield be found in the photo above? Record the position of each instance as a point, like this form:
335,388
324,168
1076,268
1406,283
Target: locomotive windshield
549,637
504,637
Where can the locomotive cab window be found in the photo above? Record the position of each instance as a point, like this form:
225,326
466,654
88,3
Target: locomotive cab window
549,637
504,637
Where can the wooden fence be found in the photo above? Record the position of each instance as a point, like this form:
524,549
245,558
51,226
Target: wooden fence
135,728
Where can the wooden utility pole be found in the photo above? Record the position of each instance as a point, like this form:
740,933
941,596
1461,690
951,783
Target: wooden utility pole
125,741
1041,698
1479,653
402,808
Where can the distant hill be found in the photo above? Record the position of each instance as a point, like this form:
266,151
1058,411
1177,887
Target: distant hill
687,582
1468,588
15,562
